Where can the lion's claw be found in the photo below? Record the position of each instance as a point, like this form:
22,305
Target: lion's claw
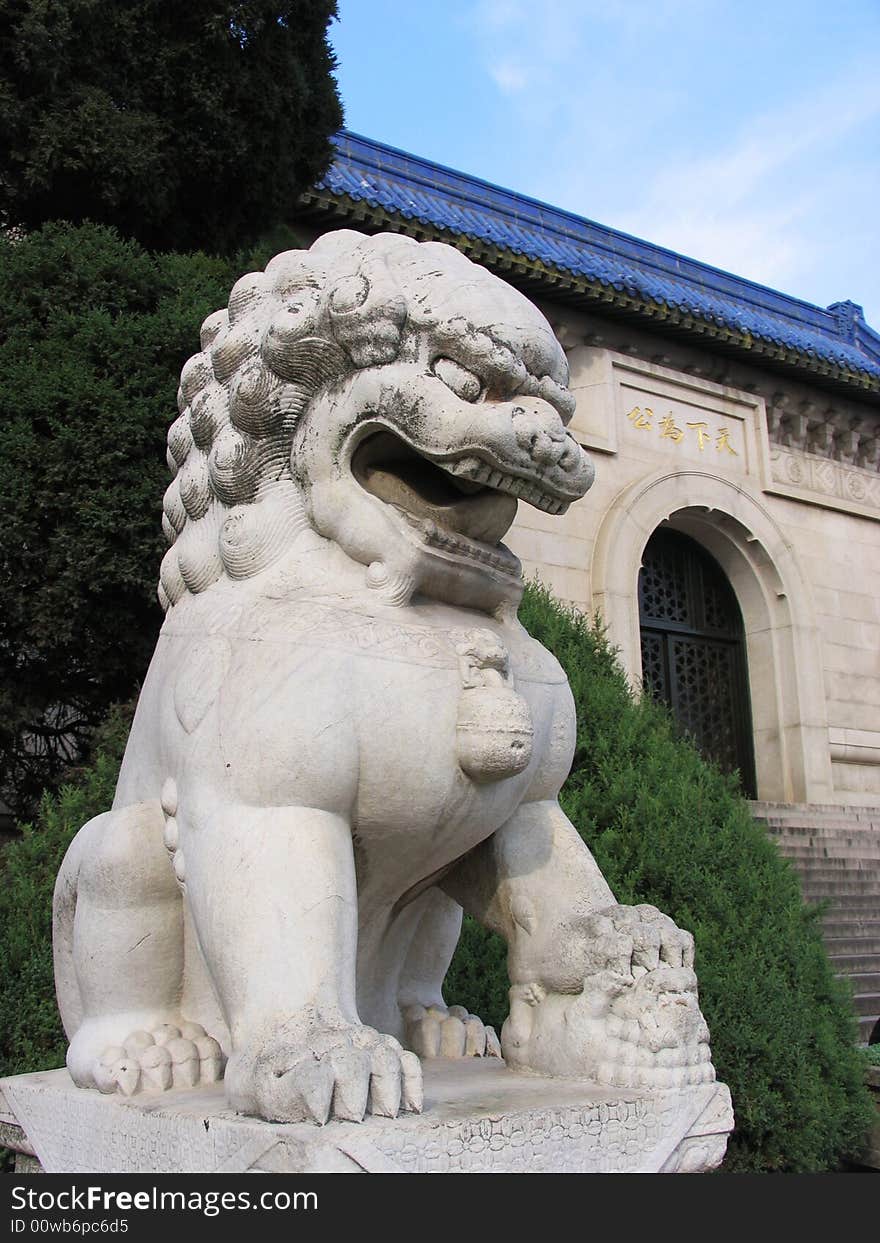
179,1055
637,1021
336,1072
436,1031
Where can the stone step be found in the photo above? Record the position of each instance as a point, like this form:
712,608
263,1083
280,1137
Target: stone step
819,811
867,1023
863,980
824,871
849,964
813,848
822,808
841,818
860,906
814,813
805,835
864,923
835,852
868,929
849,887
856,905
865,916
843,906
816,856
824,821
851,945
853,890
866,1004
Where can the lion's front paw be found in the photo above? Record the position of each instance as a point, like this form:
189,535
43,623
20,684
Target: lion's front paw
637,1022
436,1031
342,1072
171,1055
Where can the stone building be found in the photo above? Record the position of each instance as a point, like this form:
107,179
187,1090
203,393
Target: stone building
731,539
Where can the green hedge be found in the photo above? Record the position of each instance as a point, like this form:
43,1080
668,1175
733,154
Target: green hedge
665,827
669,829
93,333
32,1038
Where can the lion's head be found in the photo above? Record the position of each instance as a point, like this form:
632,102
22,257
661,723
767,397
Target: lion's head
390,394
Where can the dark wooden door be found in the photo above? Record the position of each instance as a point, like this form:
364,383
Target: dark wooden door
693,650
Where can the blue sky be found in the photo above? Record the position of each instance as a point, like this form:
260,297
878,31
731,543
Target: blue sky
744,134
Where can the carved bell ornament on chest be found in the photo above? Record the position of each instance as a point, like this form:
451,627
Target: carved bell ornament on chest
494,726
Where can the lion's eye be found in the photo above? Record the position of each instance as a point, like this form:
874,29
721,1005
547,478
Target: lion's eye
463,383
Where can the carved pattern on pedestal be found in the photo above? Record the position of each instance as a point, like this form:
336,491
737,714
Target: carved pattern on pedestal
85,1132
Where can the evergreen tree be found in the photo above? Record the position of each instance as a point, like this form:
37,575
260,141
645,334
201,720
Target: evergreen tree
93,333
187,126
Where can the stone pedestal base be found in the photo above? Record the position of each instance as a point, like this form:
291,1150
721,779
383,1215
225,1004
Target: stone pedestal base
479,1117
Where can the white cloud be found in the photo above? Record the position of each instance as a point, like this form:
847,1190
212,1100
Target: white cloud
748,206
660,118
496,14
509,77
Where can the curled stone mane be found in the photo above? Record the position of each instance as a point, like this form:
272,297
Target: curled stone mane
309,321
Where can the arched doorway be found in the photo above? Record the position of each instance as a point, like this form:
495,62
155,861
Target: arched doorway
694,650
790,719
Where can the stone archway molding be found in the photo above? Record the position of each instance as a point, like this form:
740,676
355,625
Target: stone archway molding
783,644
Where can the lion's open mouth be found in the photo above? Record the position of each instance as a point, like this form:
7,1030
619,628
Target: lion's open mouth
462,504
392,470
460,515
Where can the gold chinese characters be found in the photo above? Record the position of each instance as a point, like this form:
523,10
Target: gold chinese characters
643,418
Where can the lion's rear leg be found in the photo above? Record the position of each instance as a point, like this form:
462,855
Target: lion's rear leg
433,1029
118,936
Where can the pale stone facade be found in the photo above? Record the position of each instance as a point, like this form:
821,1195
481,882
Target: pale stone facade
711,406
795,530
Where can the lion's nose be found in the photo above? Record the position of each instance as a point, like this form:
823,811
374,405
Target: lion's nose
540,433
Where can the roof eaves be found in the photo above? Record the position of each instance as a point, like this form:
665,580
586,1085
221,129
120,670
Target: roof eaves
677,291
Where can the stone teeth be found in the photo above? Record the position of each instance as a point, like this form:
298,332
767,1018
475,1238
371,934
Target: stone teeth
469,466
471,549
472,468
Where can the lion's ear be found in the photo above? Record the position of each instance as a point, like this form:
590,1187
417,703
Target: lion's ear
367,313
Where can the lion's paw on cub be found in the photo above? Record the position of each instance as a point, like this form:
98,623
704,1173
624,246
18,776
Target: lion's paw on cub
345,736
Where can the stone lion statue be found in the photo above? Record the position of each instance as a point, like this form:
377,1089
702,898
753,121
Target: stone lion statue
345,737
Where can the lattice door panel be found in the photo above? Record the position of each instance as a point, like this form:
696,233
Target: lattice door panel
703,677
693,650
655,676
664,593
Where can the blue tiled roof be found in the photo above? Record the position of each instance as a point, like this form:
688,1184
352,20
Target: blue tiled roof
637,273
